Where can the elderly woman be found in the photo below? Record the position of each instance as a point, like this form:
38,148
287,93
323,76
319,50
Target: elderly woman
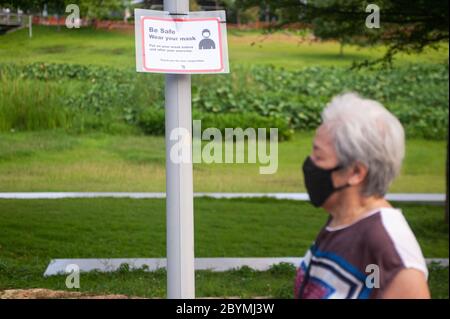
366,249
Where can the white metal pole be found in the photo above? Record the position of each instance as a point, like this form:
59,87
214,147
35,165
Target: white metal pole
179,184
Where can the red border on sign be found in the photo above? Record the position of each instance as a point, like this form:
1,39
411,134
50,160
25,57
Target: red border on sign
182,20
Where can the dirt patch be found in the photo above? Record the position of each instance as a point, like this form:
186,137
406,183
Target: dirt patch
40,293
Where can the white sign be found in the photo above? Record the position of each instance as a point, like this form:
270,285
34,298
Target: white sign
181,45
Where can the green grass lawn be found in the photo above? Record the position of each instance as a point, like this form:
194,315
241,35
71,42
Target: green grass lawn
56,161
36,231
100,47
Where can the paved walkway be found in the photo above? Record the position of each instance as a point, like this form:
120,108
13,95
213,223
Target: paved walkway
396,197
58,266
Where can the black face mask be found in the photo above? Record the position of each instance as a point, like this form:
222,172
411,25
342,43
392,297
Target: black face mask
318,182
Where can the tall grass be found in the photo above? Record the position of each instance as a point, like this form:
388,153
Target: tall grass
30,105
71,105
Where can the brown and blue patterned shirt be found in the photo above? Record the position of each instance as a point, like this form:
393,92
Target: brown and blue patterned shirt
340,264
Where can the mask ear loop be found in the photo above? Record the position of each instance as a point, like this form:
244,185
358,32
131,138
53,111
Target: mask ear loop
339,167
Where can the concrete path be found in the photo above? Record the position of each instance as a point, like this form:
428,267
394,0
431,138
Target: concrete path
438,199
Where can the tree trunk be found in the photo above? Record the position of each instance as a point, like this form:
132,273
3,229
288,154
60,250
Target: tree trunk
341,49
147,4
267,12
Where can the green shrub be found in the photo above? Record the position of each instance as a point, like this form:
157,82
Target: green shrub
245,120
91,97
151,121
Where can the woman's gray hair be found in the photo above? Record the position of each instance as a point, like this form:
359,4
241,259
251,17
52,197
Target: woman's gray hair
364,131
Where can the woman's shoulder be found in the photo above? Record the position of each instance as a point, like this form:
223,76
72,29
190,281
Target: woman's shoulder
391,237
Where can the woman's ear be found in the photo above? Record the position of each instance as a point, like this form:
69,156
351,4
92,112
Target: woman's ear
358,173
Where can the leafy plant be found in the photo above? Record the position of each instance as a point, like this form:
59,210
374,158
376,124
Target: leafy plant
92,97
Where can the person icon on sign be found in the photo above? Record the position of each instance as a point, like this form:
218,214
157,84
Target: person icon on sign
206,43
